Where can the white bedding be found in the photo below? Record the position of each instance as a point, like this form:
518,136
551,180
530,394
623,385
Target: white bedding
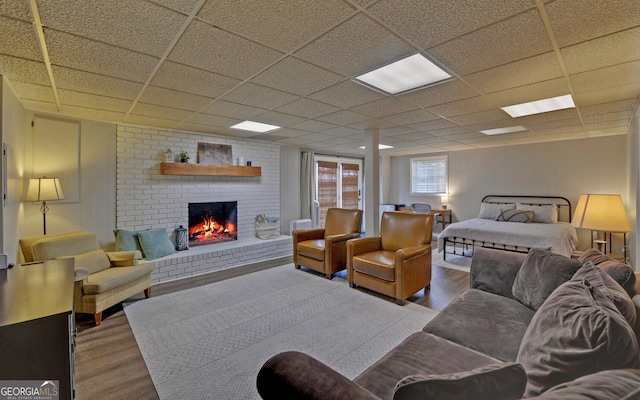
561,238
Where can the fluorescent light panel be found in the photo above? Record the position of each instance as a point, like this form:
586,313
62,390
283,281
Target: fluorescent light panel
255,127
380,147
540,106
406,74
500,131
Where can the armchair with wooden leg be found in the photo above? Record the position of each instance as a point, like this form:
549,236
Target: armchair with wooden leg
398,262
325,250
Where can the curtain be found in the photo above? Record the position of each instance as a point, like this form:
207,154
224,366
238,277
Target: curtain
307,187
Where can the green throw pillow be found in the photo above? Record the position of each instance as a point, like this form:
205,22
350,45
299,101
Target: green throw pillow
127,240
155,243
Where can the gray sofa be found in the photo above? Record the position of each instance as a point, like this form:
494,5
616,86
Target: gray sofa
539,326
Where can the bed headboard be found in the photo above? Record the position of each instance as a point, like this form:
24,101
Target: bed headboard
564,205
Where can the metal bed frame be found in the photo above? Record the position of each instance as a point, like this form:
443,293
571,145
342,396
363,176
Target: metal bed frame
465,247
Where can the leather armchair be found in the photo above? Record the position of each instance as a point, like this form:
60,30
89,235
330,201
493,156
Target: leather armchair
325,250
398,262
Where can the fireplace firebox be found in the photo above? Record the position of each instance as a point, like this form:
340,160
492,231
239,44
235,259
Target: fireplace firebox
213,222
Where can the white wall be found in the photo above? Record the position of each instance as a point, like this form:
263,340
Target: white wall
148,200
289,186
564,168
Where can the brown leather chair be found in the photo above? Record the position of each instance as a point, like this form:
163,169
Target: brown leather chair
398,262
325,250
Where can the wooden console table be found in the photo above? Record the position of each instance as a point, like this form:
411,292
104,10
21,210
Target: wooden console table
37,325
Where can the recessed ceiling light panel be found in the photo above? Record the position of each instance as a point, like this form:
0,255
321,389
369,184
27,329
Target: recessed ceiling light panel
380,147
255,127
406,74
500,131
540,106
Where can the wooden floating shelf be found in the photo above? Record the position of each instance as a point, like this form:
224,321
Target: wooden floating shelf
170,168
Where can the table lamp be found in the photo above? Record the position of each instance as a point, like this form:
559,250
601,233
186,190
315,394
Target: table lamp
602,212
44,189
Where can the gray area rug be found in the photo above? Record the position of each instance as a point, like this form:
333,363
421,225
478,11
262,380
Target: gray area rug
459,263
209,342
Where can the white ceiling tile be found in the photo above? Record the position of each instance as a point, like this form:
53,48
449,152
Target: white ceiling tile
92,113
617,93
213,120
355,47
79,99
308,108
313,126
617,75
233,110
411,117
297,77
18,69
605,108
259,96
184,78
278,119
152,110
135,25
16,9
212,49
190,126
18,39
184,6
86,82
29,91
173,99
384,107
150,121
347,94
35,105
445,92
342,118
263,21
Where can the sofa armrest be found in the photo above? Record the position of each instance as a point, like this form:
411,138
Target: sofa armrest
363,245
80,274
340,238
296,376
310,234
413,251
124,258
494,271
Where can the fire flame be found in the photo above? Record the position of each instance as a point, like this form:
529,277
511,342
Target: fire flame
210,229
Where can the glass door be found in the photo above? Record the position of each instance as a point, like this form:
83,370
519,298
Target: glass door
339,184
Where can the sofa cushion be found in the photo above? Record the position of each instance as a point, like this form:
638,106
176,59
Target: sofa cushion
113,278
155,243
312,249
379,264
69,244
622,273
577,331
476,318
92,262
619,384
127,240
505,381
541,273
419,354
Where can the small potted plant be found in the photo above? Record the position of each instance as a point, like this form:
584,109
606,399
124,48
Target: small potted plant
184,156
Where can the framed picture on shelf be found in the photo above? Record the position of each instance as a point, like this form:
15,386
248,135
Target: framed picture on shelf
210,153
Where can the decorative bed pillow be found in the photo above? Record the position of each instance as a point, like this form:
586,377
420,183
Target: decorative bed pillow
155,243
540,274
515,216
492,382
127,240
546,214
492,211
577,331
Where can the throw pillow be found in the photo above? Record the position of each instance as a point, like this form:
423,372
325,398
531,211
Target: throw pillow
540,274
505,381
577,331
622,273
546,214
515,216
492,211
155,243
127,240
619,384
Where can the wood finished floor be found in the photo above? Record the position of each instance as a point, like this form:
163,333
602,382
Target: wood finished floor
108,362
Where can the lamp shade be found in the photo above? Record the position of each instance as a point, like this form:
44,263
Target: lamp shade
601,212
44,189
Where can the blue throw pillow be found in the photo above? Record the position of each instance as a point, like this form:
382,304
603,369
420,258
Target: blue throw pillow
155,243
127,240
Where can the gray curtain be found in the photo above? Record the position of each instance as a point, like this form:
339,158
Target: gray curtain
307,186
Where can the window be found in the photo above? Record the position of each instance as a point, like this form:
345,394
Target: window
429,175
338,184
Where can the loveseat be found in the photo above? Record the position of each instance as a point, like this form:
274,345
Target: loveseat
539,326
102,279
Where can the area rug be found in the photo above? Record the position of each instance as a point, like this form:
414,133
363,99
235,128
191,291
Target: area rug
460,263
209,342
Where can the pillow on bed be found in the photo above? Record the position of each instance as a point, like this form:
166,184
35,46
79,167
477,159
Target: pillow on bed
547,214
515,216
493,211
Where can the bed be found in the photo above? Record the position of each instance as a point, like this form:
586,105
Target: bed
513,223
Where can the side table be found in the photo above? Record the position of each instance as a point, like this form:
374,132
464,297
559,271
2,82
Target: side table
443,215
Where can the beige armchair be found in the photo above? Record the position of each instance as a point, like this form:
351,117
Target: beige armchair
325,250
398,262
102,279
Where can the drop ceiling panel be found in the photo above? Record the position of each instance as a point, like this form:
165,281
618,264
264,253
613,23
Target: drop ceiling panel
87,55
630,90
308,108
21,70
184,6
16,9
445,92
411,117
355,47
615,106
169,98
233,110
149,121
152,110
263,21
471,53
429,23
192,80
79,99
314,126
384,107
92,113
86,82
617,75
347,94
343,117
215,50
278,119
18,39
213,120
134,25
29,91
297,77
259,96
42,106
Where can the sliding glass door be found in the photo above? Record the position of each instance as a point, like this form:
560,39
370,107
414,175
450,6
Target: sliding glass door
339,184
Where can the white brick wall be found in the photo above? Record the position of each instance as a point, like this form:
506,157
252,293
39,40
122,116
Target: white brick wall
145,199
